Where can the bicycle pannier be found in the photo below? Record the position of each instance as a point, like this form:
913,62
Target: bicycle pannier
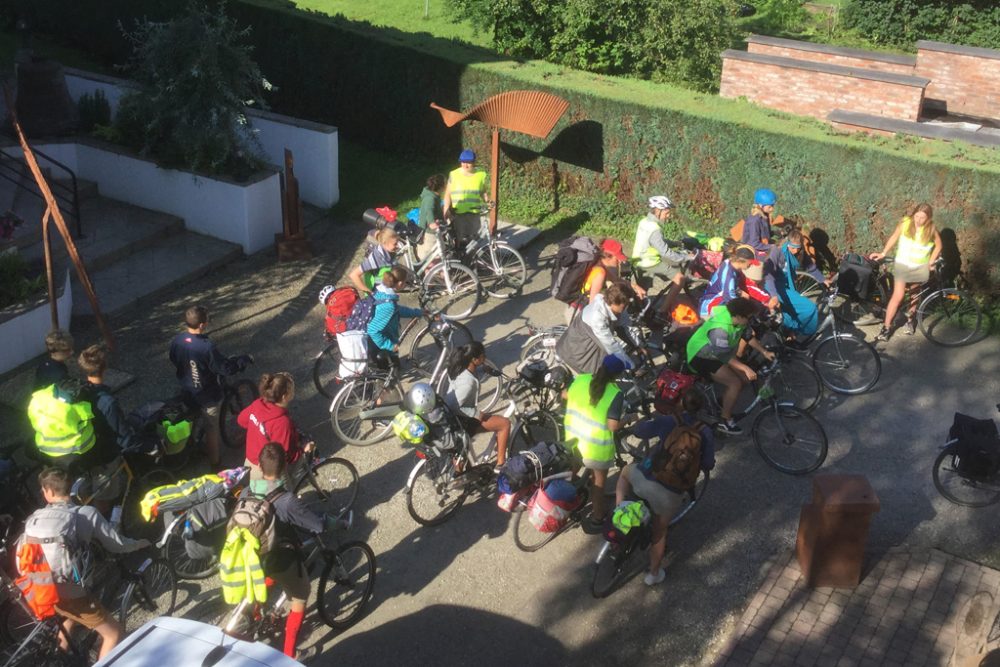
855,276
978,446
546,512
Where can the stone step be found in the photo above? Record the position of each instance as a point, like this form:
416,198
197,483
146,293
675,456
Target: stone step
153,271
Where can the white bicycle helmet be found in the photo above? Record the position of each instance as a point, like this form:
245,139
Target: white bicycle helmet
420,399
660,201
325,292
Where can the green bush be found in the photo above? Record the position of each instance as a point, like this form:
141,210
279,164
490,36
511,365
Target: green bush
903,22
94,110
15,284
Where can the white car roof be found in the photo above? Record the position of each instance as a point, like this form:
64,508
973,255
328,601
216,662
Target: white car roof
179,641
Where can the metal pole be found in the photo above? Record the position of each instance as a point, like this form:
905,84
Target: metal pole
494,179
49,271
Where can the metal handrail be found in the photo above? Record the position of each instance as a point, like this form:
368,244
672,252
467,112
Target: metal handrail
71,196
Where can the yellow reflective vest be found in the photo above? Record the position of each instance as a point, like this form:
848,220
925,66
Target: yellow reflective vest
240,569
646,255
588,424
61,427
466,190
913,252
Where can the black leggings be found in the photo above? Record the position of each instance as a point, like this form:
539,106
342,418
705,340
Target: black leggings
383,359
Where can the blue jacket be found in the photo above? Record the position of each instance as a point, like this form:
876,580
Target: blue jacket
756,228
383,328
199,363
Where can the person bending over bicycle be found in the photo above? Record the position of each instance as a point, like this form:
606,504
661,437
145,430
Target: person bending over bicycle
464,365
919,247
647,479
80,427
62,531
379,260
267,420
606,272
591,336
283,562
714,352
729,282
594,407
199,365
383,328
799,313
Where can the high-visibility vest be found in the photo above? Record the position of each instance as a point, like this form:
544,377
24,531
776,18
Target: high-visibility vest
240,570
36,581
588,424
720,319
913,252
61,427
466,190
646,255
173,496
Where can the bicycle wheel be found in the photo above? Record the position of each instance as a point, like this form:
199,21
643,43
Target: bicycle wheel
424,349
151,594
789,439
186,567
325,368
527,537
454,292
951,317
330,487
536,427
434,492
364,393
500,269
15,623
490,388
797,383
959,487
692,497
846,364
610,569
243,393
542,347
807,285
346,585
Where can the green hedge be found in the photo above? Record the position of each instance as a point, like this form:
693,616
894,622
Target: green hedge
708,153
903,22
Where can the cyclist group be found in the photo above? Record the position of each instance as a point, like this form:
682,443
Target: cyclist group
80,429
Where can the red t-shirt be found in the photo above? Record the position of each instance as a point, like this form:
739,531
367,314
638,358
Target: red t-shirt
266,422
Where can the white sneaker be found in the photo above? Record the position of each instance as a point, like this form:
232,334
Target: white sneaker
653,579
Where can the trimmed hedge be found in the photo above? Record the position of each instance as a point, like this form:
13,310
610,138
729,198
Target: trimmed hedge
707,153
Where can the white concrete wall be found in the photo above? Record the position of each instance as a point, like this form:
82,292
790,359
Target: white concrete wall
23,336
313,145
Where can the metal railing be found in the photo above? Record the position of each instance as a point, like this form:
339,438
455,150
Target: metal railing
15,170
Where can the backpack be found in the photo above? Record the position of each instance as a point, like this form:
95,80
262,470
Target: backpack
256,515
670,386
527,467
54,530
339,307
361,314
736,231
575,257
677,461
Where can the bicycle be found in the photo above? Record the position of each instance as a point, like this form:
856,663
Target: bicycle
236,396
965,471
499,266
946,314
612,567
448,471
787,437
346,583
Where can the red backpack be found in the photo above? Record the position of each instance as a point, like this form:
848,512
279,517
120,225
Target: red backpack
339,304
670,386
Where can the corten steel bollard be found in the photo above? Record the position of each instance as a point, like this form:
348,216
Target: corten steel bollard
833,530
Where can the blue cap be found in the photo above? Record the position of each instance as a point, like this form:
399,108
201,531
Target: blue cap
468,155
613,364
764,197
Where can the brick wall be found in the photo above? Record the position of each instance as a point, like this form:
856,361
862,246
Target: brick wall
821,53
816,89
966,78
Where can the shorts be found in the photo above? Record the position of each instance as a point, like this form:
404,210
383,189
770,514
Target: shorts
111,474
85,610
472,426
284,565
705,367
662,500
666,270
911,274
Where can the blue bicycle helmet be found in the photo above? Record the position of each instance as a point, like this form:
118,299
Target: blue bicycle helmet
468,155
764,197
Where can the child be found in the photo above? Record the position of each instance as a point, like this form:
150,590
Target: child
383,329
59,344
266,420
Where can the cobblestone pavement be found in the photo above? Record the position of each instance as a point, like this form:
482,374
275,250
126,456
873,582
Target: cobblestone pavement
912,608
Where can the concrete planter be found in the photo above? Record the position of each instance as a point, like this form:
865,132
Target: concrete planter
23,327
246,213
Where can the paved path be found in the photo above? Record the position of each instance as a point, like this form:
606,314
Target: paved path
462,593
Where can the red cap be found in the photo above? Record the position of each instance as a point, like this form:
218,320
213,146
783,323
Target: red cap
613,247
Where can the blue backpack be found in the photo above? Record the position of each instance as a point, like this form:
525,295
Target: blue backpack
361,314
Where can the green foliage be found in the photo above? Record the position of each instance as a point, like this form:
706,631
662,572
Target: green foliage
903,22
662,40
784,14
15,284
195,76
94,110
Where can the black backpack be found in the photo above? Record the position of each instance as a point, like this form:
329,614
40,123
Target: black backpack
574,259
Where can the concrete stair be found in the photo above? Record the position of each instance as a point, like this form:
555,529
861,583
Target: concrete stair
131,253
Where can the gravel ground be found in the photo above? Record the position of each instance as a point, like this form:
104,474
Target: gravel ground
463,593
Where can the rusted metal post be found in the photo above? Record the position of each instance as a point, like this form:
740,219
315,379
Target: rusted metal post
494,180
49,269
292,244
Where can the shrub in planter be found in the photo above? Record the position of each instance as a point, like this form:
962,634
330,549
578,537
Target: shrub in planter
16,282
195,76
94,111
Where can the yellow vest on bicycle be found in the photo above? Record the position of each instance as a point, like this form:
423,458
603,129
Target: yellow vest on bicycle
588,424
466,190
62,426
